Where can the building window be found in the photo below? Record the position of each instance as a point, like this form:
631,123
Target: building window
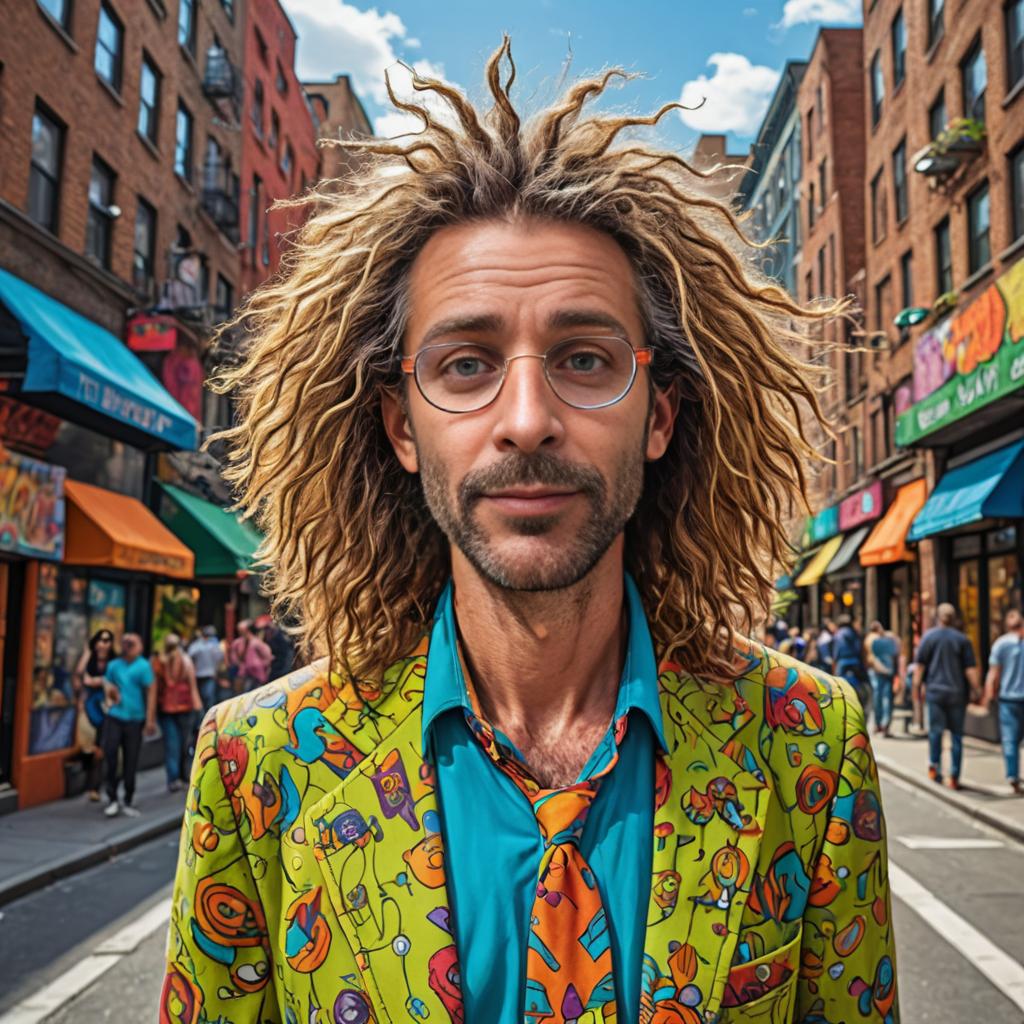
974,78
144,247
898,35
809,285
810,135
937,115
183,143
287,161
109,47
229,9
819,104
979,252
45,169
823,290
899,181
943,258
257,107
1017,192
187,25
907,279
99,225
280,82
879,211
823,182
810,206
1014,15
225,299
265,249
59,10
275,130
877,87
883,304
854,453
936,21
794,219
261,46
149,99
254,216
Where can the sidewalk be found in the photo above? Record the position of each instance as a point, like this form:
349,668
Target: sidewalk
57,839
985,794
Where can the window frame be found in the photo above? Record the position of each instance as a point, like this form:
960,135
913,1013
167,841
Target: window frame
187,38
936,22
879,208
899,49
943,250
907,279
876,78
970,108
256,113
52,179
974,238
938,103
1014,48
142,205
64,19
1015,159
153,134
900,184
99,220
184,169
117,58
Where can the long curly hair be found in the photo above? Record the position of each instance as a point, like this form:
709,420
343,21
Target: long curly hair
352,553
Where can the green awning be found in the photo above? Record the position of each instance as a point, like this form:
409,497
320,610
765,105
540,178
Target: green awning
224,544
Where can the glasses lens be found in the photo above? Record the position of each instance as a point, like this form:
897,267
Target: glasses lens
590,372
459,377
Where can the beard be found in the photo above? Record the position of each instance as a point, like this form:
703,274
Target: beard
557,566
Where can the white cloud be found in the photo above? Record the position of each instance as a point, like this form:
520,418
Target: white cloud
737,95
338,38
797,12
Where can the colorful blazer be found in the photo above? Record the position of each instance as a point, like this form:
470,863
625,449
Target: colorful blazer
311,884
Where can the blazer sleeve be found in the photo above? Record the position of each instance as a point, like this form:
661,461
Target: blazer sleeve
848,956
219,964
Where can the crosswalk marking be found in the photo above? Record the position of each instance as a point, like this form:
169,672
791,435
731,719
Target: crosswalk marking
949,843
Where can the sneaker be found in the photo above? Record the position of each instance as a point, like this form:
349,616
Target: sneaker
112,809
1015,787
953,782
130,812
176,786
934,774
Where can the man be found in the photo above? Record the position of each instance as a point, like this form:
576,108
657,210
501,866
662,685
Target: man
126,681
515,482
281,648
250,658
882,653
946,673
825,646
848,651
207,656
1006,678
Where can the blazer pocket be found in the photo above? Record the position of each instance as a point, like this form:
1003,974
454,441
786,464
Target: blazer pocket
762,989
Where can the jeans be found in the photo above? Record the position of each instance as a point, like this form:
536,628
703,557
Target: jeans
209,691
853,674
177,731
1011,732
943,714
126,737
881,689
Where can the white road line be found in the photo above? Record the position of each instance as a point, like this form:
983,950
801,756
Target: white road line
41,1004
1001,969
949,843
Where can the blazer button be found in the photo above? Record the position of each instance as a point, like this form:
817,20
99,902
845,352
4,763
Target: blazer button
762,972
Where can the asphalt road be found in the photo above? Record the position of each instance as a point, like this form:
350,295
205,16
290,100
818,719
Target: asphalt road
976,875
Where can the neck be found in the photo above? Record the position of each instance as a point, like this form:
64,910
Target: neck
545,665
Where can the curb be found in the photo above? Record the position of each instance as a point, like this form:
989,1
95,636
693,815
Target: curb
43,875
958,800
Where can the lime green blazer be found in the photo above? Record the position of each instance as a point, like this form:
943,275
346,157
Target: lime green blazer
311,884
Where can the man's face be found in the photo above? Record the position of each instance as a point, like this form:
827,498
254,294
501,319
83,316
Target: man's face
529,490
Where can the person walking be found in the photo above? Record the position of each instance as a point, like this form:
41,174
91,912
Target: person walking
175,699
127,680
882,653
824,647
1005,681
848,651
946,671
88,680
208,658
250,658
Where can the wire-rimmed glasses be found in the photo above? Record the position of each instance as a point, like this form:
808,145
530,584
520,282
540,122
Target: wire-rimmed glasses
590,372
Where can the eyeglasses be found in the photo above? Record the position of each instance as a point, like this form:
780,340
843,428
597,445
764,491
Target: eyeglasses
586,373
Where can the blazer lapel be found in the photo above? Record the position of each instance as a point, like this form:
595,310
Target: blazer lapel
710,806
376,839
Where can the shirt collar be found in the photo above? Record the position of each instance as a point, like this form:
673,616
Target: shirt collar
444,688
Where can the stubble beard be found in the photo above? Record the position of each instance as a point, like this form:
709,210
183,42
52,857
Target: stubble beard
557,568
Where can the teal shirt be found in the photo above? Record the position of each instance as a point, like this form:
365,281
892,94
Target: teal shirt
132,680
492,842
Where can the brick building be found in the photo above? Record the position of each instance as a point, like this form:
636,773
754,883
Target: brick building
279,132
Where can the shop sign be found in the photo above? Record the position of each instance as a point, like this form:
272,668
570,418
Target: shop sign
861,507
825,524
980,358
182,375
31,506
126,557
152,333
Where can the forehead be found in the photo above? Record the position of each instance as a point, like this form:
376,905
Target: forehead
521,274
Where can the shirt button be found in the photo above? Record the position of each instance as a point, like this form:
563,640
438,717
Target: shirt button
763,972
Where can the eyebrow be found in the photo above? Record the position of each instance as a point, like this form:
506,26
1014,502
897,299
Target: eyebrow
490,323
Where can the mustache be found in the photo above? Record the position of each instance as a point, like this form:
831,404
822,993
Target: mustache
543,468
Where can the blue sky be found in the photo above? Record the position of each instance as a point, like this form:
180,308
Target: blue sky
729,51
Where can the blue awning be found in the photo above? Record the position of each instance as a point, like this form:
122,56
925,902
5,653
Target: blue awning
72,357
991,487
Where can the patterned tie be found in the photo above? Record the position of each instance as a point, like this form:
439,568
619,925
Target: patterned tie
569,957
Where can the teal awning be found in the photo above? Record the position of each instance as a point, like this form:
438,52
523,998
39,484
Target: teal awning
991,487
783,583
74,363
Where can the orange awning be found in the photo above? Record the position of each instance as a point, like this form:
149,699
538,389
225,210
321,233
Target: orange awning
887,542
106,528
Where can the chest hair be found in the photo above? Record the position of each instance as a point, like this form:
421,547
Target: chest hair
556,757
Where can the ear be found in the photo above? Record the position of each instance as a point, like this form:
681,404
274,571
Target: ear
395,414
661,422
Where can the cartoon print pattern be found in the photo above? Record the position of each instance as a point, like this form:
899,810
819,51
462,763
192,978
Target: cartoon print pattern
311,883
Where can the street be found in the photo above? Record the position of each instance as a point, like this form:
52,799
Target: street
970,875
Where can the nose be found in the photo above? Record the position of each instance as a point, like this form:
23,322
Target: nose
529,412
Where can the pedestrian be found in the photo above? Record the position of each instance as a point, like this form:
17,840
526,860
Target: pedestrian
250,658
281,647
1005,680
538,776
882,654
848,651
794,645
946,673
208,658
125,684
825,647
88,681
175,700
